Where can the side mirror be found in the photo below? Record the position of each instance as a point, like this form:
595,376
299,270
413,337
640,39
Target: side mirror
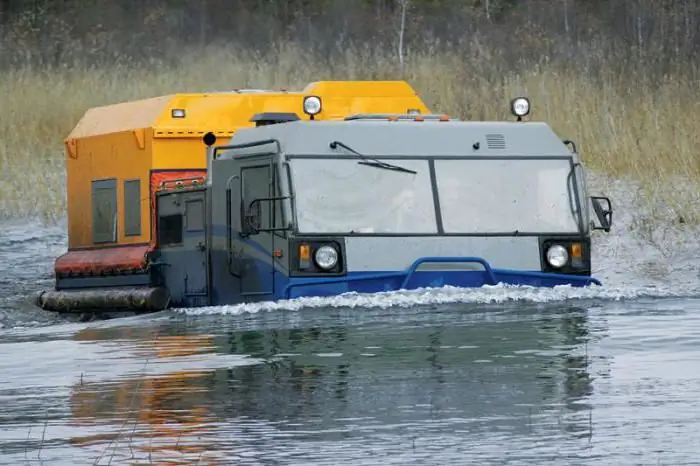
604,214
252,218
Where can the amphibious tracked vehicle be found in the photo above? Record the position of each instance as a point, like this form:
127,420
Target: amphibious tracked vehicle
193,200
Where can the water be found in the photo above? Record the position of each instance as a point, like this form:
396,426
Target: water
502,375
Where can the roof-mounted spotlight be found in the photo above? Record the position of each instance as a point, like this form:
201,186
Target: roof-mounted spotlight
520,107
312,105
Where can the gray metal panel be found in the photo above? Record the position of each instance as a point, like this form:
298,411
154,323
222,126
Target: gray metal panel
104,211
186,272
367,254
411,138
132,207
225,175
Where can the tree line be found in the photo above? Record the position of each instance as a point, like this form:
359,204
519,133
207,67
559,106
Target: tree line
665,33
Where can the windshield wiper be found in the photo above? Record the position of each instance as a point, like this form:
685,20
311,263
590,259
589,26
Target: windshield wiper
371,162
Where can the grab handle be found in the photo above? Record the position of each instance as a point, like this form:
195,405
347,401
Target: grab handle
487,268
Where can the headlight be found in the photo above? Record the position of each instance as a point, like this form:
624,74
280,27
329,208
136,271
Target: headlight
557,256
326,257
520,106
312,105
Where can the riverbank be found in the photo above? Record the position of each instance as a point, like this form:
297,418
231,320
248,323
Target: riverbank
624,125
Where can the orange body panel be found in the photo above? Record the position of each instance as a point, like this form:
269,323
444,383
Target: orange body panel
97,158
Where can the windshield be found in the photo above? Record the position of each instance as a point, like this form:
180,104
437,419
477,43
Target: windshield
496,196
342,196
475,196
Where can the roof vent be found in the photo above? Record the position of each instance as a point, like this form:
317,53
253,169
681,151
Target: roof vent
496,141
271,118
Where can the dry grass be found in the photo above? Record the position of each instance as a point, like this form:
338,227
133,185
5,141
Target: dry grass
623,127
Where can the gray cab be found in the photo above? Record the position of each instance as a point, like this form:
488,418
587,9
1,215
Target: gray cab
384,192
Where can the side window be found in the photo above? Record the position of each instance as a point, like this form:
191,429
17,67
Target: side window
170,229
132,208
104,211
255,184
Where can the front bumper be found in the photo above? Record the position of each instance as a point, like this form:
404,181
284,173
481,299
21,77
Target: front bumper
412,278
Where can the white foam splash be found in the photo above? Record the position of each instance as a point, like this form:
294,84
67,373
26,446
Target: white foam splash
448,295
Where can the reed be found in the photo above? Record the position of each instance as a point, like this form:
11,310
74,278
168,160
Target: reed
624,125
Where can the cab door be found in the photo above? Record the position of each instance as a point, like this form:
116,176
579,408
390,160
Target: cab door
257,264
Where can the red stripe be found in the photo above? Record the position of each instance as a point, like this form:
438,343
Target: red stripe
107,260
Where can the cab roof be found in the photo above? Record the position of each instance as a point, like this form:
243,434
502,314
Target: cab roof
375,137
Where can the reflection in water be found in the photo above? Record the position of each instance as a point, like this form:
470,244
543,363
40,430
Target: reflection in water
163,418
515,374
159,418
